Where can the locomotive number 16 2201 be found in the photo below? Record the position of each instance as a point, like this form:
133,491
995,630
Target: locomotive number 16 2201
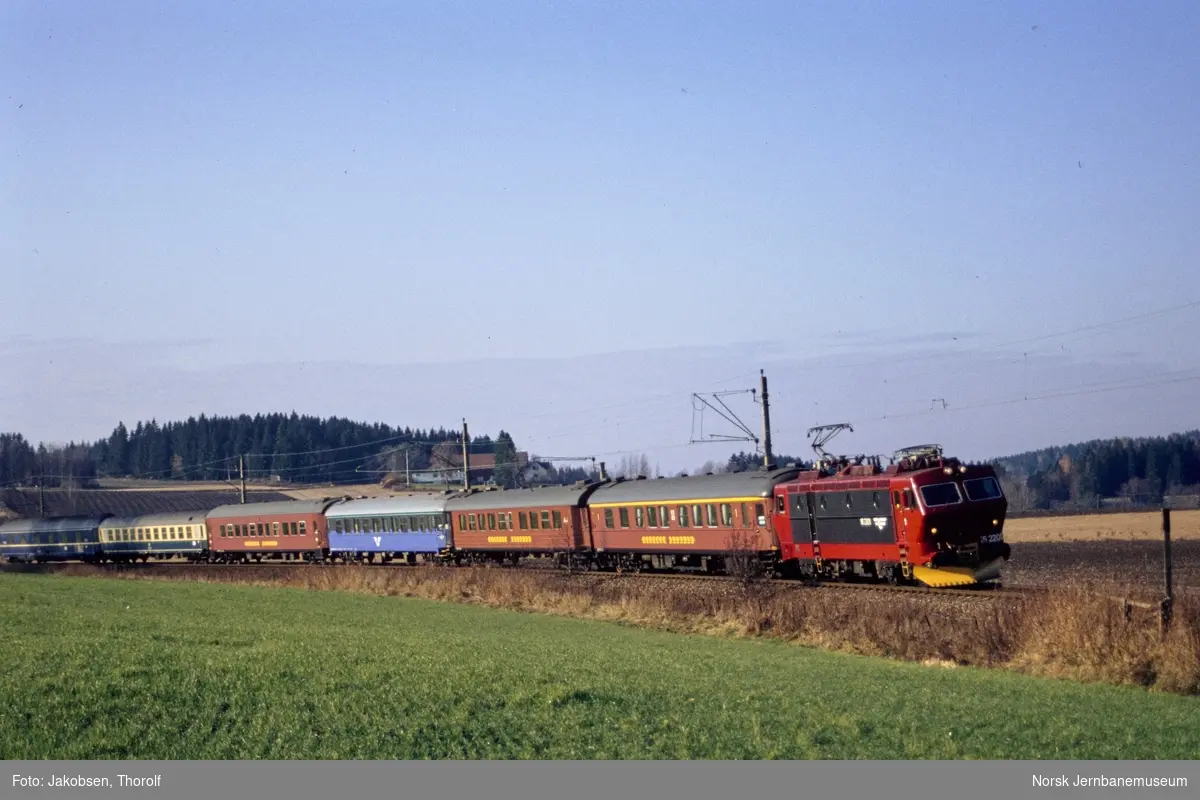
992,538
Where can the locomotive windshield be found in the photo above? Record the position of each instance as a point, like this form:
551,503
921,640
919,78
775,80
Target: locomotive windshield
983,489
941,494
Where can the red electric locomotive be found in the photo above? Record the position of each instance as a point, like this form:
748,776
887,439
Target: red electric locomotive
926,518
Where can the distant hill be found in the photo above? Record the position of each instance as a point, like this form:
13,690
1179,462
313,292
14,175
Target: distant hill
1123,471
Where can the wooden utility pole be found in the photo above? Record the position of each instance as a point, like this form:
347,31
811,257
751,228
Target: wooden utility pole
407,472
768,462
41,500
466,459
1169,596
242,475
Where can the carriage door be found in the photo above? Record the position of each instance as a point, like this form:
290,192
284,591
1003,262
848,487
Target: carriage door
810,499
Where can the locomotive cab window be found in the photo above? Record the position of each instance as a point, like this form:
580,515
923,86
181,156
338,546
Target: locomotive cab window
983,489
941,494
780,504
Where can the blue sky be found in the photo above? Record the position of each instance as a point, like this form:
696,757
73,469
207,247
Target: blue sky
541,194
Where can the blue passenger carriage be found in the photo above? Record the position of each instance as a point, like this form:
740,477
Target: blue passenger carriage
161,536
399,527
52,539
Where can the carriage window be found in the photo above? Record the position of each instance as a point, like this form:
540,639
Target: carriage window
639,514
503,523
760,512
557,519
545,519
275,527
462,522
252,529
523,519
533,520
302,531
726,515
683,517
664,517
712,515
492,521
653,514
608,518
941,494
697,516
471,521
624,517
745,516
983,489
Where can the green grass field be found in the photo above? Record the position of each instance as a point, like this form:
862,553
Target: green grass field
114,669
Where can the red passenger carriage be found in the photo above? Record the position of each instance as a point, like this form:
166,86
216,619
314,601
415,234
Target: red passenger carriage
292,530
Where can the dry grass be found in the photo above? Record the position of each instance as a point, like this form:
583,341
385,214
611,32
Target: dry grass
1140,525
1071,633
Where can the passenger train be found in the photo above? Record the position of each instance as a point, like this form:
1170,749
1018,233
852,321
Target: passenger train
924,519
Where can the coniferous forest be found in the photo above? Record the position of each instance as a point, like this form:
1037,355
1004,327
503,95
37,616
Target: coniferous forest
298,449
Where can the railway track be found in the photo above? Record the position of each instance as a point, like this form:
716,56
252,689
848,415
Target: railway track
980,592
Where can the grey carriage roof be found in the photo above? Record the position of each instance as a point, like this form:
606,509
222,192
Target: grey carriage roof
541,497
50,525
699,487
278,507
146,520
415,503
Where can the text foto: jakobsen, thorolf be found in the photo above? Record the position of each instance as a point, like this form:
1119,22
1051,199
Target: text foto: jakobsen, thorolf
86,781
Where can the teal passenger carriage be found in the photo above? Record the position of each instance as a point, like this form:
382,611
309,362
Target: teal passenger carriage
52,539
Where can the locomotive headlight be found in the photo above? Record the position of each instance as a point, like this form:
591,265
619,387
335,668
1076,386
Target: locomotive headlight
948,470
995,522
963,469
933,531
